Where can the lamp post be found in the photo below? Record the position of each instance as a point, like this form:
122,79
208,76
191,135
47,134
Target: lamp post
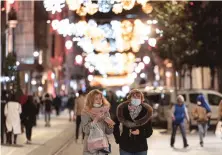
12,22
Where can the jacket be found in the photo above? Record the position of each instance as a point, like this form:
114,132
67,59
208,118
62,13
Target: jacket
127,141
79,105
200,114
180,113
48,105
29,111
12,113
86,121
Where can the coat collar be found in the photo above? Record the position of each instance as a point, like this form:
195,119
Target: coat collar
140,120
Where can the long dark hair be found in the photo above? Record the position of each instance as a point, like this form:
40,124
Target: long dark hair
12,97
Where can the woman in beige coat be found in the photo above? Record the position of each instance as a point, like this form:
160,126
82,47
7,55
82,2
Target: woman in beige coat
12,113
94,102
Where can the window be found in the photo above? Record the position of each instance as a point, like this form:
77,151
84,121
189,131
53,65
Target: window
162,99
214,99
184,96
193,97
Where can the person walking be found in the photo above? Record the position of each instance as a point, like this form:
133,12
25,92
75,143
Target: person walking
48,109
57,102
135,117
29,111
3,103
12,113
79,105
96,115
201,113
70,105
179,113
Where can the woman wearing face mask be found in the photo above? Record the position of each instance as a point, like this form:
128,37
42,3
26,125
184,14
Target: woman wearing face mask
96,112
201,113
135,116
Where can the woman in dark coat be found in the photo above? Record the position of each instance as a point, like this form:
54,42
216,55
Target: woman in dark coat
29,111
135,117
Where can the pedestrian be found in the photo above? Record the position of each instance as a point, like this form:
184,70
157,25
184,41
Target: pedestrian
70,105
179,113
113,100
79,105
12,113
48,109
96,115
57,104
201,113
220,111
3,103
37,103
135,117
29,111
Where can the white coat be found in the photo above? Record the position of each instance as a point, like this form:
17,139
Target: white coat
12,113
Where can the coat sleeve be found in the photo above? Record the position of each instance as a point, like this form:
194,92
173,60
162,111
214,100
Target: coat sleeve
108,130
194,113
86,123
146,130
116,130
6,110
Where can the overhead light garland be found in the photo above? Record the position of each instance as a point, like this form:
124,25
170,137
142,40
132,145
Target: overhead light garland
84,7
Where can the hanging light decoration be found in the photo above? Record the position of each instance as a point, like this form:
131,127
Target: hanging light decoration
82,11
73,4
147,8
92,8
128,4
117,8
104,6
54,5
142,1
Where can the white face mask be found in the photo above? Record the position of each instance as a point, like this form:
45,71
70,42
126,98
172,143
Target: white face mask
135,101
96,105
198,103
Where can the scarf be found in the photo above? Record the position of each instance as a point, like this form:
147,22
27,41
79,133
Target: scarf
134,110
95,112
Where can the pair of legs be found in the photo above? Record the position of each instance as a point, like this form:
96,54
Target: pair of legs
28,132
2,132
70,115
9,138
47,118
122,152
78,122
174,131
202,128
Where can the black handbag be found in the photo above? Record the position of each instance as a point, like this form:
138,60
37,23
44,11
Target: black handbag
106,150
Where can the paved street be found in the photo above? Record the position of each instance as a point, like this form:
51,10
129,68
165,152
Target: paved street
41,136
159,145
48,141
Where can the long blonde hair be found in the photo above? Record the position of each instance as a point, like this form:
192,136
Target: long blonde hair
90,98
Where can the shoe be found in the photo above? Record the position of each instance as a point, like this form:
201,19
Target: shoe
28,142
15,143
201,144
186,146
172,145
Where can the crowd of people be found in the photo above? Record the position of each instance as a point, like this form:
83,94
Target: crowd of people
19,113
98,116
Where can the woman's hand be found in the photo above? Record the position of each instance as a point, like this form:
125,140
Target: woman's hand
98,117
136,132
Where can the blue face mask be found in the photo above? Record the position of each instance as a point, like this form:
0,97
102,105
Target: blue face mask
135,102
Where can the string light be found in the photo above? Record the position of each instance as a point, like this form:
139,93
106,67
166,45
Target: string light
54,5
